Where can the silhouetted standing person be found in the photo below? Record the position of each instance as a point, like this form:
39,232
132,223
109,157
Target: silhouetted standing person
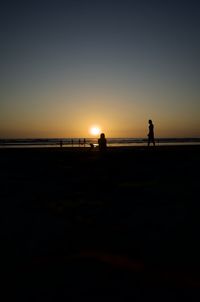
61,143
151,133
102,142
84,142
79,142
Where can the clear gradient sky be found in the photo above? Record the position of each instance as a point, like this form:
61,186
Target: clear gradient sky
66,65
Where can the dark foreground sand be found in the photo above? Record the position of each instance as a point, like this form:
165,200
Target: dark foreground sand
81,224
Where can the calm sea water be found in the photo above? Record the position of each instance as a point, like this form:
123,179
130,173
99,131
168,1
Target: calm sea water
112,142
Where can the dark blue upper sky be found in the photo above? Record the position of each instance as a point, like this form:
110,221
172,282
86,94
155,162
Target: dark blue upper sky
138,58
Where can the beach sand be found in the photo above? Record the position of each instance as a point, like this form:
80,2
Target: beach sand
77,223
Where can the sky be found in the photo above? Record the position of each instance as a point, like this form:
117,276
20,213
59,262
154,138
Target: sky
68,65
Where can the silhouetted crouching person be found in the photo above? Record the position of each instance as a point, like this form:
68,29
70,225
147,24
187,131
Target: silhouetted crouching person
102,143
91,147
151,133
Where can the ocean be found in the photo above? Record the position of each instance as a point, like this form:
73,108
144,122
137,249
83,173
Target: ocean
76,142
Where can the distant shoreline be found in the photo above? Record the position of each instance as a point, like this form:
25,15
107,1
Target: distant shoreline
85,143
67,143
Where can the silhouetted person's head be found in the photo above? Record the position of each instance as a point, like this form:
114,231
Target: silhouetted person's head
150,121
102,135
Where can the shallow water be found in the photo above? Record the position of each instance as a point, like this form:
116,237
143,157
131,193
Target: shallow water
112,142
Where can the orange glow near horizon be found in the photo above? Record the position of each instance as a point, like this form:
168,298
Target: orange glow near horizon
115,115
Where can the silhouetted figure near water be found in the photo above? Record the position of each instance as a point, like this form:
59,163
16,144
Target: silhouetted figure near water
91,147
84,142
61,143
151,133
102,142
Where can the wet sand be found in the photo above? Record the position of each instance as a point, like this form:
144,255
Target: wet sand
81,224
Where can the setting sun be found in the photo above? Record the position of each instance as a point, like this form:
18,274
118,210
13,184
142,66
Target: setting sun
95,130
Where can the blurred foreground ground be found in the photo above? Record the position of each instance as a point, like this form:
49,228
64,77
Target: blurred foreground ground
79,224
